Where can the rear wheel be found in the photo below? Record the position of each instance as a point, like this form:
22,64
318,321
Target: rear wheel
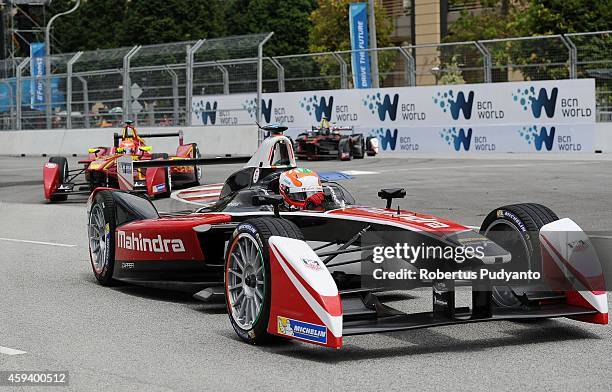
344,150
360,147
247,275
63,175
515,228
101,230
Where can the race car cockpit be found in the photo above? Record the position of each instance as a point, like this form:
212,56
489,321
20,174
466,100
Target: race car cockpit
261,174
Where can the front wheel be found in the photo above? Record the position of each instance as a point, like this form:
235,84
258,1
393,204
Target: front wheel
62,162
515,228
101,230
247,275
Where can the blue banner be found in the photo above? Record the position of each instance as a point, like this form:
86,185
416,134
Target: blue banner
38,72
8,95
358,21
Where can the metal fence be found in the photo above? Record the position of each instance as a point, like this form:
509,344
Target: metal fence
155,85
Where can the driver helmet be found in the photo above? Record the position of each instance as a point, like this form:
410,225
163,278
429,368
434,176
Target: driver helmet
128,145
301,188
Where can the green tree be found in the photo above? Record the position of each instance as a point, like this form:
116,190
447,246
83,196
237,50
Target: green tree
518,18
288,19
93,25
330,32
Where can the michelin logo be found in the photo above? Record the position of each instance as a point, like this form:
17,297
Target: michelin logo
302,330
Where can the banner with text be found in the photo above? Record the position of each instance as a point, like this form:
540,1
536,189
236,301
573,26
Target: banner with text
538,116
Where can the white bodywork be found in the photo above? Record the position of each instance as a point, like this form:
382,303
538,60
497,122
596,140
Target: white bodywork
267,153
311,269
576,257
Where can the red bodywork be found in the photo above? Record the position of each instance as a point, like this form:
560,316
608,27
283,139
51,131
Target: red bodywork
100,167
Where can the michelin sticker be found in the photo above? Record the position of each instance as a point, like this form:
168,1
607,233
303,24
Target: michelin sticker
302,330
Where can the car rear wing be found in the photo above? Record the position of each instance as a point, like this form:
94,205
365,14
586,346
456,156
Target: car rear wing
189,162
332,128
126,166
179,134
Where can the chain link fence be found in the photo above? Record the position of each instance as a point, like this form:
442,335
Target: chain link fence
155,85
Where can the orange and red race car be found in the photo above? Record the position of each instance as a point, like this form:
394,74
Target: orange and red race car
100,167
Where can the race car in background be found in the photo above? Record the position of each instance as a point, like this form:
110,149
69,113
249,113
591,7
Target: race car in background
298,273
100,167
327,141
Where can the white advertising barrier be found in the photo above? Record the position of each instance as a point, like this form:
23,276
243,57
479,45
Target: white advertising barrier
541,116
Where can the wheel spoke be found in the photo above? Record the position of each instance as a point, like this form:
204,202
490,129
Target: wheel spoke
238,261
253,309
242,255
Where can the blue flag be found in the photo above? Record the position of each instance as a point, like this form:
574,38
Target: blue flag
358,22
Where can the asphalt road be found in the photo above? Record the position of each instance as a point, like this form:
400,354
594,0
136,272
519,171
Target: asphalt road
130,338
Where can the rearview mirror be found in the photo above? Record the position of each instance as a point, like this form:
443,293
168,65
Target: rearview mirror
145,148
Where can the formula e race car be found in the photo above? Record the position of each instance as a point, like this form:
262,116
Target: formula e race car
327,142
100,167
291,273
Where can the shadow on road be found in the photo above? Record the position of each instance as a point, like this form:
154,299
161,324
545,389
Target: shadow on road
429,341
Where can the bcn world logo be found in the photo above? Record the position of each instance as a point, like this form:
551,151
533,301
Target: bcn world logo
387,137
207,111
456,104
250,105
543,138
457,138
385,106
527,97
318,106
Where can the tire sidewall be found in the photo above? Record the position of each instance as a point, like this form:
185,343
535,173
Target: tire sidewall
259,330
105,275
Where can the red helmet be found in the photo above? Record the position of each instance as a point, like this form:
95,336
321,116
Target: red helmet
301,188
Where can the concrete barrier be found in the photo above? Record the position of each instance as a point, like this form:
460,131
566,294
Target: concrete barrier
212,140
217,140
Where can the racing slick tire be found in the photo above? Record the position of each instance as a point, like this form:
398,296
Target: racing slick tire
344,150
514,227
247,276
360,148
168,181
63,175
101,229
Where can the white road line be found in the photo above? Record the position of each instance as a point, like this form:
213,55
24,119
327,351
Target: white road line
10,351
21,169
37,242
357,172
489,166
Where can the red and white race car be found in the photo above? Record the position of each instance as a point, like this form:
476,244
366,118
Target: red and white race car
291,273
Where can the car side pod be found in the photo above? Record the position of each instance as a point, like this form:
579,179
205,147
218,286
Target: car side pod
50,178
568,254
305,302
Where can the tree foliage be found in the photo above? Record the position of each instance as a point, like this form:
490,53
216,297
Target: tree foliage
115,23
506,18
330,31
